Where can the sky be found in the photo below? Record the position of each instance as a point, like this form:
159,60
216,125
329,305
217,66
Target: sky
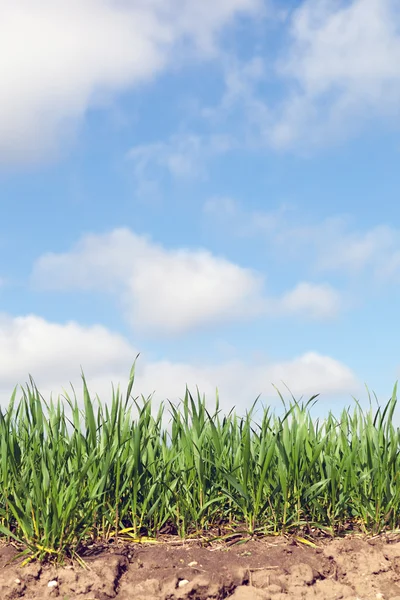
211,184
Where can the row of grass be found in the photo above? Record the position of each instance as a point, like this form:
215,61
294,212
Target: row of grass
70,475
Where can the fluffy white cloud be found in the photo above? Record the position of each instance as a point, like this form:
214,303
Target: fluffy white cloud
344,61
240,383
171,291
57,59
53,354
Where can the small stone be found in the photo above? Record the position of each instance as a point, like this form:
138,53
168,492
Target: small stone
17,581
52,584
193,563
183,582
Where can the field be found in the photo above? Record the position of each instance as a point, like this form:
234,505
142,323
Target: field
188,479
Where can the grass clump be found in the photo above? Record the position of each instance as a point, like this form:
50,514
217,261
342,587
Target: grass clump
70,476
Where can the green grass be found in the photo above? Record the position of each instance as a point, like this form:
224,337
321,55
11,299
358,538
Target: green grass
69,475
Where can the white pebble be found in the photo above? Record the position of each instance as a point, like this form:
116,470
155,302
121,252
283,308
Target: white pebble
17,580
52,584
183,582
193,563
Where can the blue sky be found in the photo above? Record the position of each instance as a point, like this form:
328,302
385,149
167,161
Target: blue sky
212,184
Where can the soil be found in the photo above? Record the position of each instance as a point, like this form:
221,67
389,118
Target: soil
273,568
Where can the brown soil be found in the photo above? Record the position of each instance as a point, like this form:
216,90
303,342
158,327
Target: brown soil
269,569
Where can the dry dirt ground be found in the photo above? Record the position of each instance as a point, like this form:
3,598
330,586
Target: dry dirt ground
269,569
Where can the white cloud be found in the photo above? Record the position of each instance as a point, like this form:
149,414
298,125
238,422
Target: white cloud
57,59
312,372
336,70
330,245
341,64
53,353
360,250
240,383
336,246
169,291
183,156
320,301
343,67
241,79
242,222
243,109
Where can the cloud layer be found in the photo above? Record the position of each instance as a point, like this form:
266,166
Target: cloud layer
337,68
343,66
57,59
331,245
53,354
174,291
